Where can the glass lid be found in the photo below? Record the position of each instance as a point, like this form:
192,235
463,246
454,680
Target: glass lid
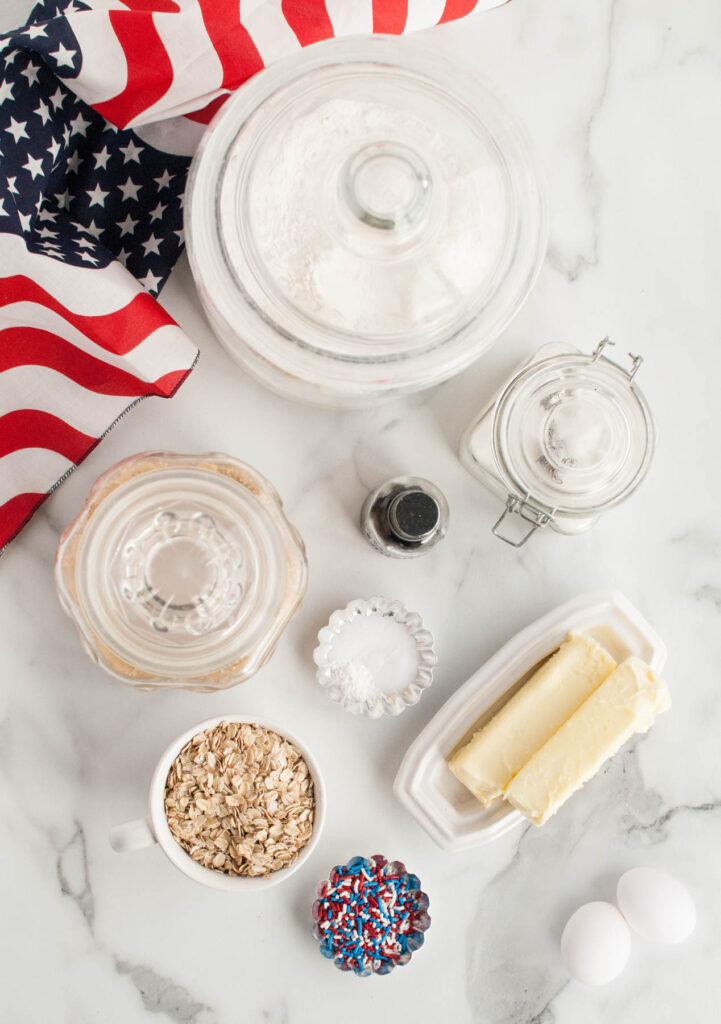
573,433
181,567
364,203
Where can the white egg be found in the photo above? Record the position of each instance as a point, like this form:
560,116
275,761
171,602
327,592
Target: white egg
596,943
656,905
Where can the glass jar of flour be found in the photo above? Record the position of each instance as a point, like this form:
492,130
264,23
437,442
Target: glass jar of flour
363,220
570,436
181,570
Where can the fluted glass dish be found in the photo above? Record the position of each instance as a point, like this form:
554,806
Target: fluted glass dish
375,658
363,929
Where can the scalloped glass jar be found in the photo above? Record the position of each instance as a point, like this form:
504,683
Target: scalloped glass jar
181,571
363,220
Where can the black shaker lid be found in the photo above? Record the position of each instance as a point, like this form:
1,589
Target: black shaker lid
413,515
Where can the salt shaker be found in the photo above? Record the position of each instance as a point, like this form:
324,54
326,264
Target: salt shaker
404,517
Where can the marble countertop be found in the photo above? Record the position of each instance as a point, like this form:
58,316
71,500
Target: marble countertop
622,99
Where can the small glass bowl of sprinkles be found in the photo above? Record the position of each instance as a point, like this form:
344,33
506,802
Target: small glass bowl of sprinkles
370,915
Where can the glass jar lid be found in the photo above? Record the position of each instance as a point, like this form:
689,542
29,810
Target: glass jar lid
181,570
573,433
364,218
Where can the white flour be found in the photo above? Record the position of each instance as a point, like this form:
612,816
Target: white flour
349,275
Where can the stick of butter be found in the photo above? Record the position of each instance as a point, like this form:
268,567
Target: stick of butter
625,703
497,751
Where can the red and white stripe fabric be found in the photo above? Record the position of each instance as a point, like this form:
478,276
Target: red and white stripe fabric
79,345
145,60
77,348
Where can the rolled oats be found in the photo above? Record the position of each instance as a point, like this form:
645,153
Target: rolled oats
239,799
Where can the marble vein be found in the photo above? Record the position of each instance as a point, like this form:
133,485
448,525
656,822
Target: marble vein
74,875
164,995
571,268
709,594
159,994
657,827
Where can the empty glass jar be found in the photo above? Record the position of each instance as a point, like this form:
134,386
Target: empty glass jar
181,570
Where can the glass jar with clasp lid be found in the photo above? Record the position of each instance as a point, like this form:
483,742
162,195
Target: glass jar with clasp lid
570,436
181,570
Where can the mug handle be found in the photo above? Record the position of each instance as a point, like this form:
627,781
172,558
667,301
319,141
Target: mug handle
133,835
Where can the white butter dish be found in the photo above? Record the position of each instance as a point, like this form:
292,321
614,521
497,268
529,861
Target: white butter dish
447,811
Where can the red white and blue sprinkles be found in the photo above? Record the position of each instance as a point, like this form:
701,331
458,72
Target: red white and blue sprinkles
370,916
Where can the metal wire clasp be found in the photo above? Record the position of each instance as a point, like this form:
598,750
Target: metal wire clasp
635,360
524,510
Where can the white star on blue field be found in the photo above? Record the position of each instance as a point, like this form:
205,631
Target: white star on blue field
73,186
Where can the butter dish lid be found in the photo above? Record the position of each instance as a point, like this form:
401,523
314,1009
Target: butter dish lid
574,433
181,570
365,204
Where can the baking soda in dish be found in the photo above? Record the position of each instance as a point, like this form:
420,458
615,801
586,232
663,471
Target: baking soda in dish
373,655
355,680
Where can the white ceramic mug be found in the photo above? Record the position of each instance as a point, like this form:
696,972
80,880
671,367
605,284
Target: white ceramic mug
134,835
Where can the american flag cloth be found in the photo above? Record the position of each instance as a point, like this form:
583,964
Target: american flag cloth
102,103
